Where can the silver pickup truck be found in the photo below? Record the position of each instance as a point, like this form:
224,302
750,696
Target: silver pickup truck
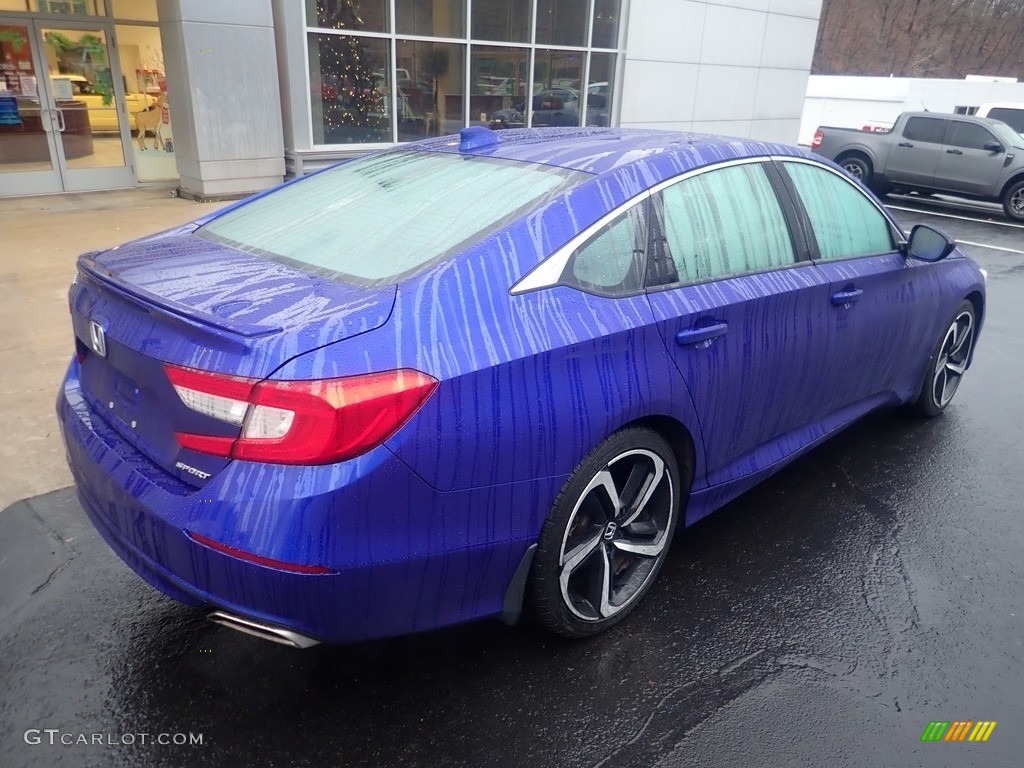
927,152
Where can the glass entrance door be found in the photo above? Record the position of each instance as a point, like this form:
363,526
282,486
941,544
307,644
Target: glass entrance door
28,148
63,112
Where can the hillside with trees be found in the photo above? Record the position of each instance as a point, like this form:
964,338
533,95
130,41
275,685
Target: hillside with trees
921,38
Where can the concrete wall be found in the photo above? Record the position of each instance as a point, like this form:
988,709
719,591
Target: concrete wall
852,102
736,67
222,79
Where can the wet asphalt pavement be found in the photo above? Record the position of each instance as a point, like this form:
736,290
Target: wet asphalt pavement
823,619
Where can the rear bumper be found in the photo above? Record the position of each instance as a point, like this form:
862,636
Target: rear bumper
403,557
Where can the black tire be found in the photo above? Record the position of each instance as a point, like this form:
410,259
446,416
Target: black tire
858,167
948,362
596,559
1013,201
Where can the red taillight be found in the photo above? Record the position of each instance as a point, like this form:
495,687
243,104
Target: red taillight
301,422
818,138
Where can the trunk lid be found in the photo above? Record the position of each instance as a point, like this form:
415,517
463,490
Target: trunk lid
180,299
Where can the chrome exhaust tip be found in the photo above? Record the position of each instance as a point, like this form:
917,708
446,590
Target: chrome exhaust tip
264,631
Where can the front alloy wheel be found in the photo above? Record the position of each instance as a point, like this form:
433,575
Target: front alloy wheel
949,362
607,534
1013,202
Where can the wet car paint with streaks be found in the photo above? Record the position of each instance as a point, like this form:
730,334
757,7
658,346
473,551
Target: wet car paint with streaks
826,617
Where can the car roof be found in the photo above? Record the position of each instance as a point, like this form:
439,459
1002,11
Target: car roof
603,150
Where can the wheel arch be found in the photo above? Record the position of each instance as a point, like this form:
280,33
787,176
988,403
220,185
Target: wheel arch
862,154
1015,179
680,440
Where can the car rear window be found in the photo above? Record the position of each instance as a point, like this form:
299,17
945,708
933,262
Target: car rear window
380,218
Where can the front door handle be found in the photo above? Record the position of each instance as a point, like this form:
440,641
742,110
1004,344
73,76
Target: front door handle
904,144
700,335
953,152
846,297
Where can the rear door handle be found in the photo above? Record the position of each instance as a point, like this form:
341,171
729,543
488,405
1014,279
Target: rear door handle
699,335
846,297
953,152
904,144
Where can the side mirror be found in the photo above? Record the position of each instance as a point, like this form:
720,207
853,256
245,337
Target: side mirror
929,244
993,146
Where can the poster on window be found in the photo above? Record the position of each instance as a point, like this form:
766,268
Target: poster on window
15,59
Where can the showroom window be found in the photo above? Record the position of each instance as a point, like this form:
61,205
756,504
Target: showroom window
386,71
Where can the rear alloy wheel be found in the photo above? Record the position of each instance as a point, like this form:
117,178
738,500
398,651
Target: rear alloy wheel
858,168
1013,201
607,535
949,361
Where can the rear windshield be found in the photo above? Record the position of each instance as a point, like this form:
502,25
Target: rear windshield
380,218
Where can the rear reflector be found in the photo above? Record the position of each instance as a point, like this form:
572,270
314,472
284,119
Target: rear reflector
249,557
300,422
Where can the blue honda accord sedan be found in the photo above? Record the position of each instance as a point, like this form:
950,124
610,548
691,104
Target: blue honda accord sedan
490,372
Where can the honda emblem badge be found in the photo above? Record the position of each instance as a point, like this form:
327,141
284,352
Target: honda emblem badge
98,338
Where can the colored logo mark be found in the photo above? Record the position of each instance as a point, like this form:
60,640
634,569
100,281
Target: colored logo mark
958,730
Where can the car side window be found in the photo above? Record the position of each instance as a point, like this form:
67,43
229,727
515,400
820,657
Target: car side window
724,222
926,129
970,136
610,262
845,221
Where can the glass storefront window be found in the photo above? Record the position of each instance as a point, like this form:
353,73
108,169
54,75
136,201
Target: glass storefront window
599,89
433,18
562,22
149,111
431,98
350,84
82,78
23,143
365,15
137,10
606,24
521,70
79,7
559,75
499,78
503,20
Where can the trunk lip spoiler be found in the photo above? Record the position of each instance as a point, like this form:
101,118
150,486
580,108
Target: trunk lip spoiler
184,313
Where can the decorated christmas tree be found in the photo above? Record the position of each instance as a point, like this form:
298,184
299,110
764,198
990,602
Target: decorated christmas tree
358,111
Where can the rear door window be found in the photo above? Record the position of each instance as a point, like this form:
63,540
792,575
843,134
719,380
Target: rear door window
931,130
724,222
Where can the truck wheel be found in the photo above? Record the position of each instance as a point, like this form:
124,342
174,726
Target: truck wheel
858,168
1013,201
